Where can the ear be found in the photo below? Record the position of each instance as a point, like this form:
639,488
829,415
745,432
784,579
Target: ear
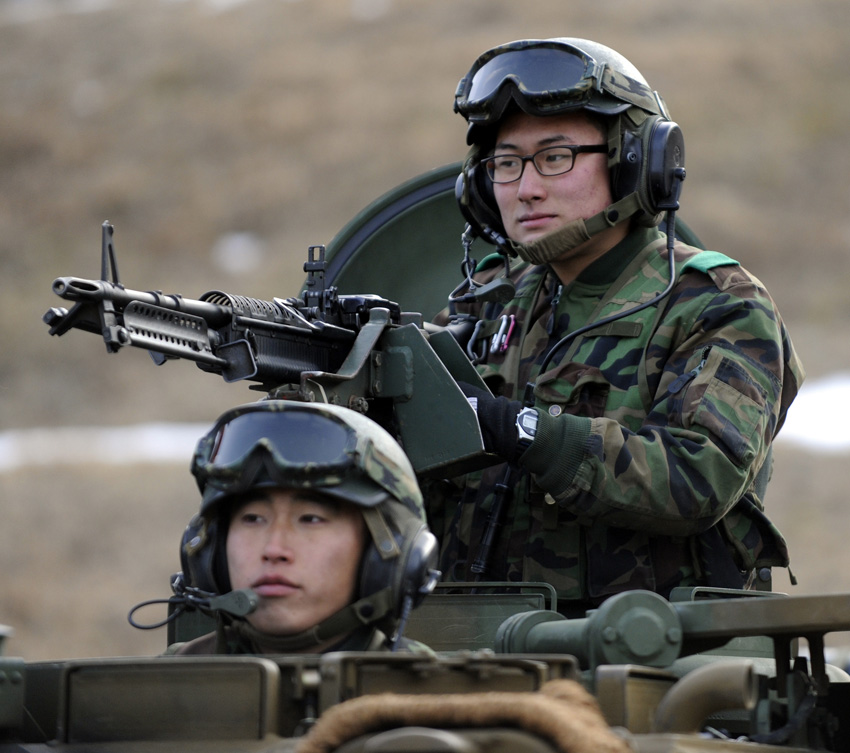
202,556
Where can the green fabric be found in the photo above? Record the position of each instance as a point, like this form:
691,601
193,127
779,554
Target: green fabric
708,260
232,641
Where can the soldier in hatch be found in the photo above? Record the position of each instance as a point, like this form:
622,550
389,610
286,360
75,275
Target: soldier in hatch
314,509
637,384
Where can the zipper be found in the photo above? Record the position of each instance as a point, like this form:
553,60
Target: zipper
556,299
680,381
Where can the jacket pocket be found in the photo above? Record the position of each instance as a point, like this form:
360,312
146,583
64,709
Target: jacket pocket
724,400
576,389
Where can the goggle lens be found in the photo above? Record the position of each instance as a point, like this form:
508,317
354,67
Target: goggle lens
543,72
297,438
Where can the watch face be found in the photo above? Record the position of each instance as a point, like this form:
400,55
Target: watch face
527,421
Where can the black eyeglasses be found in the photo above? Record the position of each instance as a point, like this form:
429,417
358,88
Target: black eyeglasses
553,160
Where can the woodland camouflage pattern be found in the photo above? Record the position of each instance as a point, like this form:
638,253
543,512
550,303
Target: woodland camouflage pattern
652,431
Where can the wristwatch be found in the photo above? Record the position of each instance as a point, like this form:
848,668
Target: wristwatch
526,427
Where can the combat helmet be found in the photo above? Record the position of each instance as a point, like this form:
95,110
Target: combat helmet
345,455
552,76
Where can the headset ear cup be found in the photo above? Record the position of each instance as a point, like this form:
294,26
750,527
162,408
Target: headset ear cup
665,165
405,574
477,202
462,198
651,156
418,568
202,556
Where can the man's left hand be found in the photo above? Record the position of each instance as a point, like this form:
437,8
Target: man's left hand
497,419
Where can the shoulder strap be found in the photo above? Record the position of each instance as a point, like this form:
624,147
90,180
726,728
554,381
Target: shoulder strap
705,260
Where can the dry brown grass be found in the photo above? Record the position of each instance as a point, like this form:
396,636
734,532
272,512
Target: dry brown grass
81,547
285,119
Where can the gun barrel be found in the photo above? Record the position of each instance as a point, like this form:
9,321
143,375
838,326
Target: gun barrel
80,290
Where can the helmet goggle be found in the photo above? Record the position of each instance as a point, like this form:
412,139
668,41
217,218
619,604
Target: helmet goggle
545,77
292,447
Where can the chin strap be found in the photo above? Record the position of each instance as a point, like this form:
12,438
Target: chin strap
365,611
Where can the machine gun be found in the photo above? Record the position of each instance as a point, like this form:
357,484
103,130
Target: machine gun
360,351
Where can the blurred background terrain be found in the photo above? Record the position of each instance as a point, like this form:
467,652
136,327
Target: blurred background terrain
221,138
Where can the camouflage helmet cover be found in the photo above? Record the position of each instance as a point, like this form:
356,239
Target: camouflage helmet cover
548,76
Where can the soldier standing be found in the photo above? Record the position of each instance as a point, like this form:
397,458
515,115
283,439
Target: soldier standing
637,383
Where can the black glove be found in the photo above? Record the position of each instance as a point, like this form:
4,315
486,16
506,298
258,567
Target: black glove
497,419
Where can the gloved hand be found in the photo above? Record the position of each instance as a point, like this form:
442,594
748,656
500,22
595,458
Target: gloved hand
497,419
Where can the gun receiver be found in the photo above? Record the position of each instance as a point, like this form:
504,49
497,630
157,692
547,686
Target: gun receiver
353,350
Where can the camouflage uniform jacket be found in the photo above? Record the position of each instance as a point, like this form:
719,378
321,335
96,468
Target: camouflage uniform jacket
651,431
228,641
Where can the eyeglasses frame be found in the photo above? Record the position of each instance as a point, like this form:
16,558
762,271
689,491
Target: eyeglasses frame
574,148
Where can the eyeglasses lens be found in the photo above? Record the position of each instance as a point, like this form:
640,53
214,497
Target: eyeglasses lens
553,160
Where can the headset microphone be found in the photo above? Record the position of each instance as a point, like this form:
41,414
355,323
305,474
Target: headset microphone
186,598
236,603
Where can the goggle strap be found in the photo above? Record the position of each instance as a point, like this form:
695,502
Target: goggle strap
597,72
626,89
384,540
